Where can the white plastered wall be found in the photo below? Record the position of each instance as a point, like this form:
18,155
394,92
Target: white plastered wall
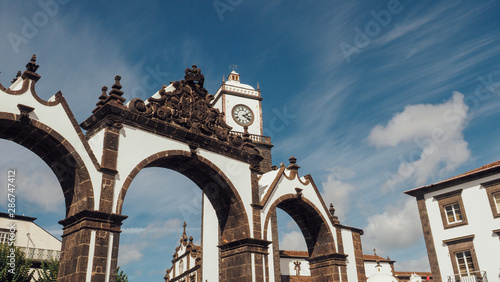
270,257
480,224
210,270
352,272
287,266
40,238
370,268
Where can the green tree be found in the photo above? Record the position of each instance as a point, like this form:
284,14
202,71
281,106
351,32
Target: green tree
14,267
49,271
120,275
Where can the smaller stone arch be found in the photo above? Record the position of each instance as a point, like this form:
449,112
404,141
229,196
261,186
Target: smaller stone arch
233,220
318,236
57,153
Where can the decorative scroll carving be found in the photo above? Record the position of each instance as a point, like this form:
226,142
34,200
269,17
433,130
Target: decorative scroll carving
188,105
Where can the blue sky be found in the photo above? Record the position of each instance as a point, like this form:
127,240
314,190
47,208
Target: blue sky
372,98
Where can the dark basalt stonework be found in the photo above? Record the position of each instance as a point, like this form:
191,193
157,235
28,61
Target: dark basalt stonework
187,106
185,114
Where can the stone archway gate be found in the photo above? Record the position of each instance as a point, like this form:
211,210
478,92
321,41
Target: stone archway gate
177,128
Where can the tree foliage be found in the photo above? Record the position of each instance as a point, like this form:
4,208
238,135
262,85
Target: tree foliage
120,275
14,266
49,271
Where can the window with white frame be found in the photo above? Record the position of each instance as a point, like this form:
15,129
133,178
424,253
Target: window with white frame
453,213
496,197
465,263
452,209
493,192
4,237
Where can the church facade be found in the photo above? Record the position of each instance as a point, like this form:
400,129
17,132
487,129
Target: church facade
215,140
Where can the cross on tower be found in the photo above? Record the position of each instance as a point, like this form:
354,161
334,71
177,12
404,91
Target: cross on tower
233,67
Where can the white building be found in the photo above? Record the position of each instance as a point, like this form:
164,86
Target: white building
461,223
38,244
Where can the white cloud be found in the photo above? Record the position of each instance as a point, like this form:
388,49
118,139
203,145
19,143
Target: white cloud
420,264
436,131
159,230
338,192
293,241
397,227
130,253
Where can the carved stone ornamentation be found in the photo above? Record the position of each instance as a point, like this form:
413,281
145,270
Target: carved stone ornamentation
189,106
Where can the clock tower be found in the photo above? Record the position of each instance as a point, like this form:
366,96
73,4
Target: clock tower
241,104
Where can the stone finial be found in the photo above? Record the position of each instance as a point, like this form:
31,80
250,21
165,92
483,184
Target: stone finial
194,75
31,65
102,99
293,163
103,96
31,68
331,209
18,75
116,93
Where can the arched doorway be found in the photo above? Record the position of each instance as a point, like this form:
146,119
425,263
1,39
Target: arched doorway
324,261
157,204
232,219
67,166
58,154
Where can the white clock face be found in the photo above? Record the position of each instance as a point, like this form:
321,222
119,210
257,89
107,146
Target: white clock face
243,115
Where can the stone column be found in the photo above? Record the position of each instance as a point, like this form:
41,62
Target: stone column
238,257
326,268
90,246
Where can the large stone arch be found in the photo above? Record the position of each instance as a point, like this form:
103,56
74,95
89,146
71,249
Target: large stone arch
233,220
57,153
325,262
314,227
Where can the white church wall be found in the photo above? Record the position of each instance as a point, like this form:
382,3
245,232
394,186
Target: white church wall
370,268
287,266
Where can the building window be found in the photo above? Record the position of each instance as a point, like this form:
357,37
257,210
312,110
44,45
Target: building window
453,213
4,237
463,257
496,197
452,209
493,192
465,263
